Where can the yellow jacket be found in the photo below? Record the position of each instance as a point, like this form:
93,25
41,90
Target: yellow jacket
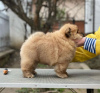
82,54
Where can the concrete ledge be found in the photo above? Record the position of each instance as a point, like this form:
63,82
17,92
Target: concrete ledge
6,52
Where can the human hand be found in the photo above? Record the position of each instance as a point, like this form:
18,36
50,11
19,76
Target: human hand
80,42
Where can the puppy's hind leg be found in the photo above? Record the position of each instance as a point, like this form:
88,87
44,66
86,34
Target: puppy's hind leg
60,70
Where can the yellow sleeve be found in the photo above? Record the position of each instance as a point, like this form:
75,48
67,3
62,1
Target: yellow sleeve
82,55
98,47
97,33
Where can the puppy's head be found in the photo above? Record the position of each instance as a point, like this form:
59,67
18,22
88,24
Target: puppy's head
70,31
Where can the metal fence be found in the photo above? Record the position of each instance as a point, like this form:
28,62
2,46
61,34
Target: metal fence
4,32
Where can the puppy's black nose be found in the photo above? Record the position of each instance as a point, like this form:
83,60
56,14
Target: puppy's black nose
82,34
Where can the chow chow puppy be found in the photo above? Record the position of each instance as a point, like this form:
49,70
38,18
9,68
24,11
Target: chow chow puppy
54,49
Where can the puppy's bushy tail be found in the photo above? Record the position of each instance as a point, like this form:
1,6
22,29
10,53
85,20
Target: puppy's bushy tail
38,34
32,38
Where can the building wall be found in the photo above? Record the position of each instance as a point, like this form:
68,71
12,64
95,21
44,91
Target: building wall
17,30
72,8
4,32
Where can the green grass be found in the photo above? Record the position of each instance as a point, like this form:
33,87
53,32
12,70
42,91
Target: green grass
98,90
43,66
61,90
24,90
39,90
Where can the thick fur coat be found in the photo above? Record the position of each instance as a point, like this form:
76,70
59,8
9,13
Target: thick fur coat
54,49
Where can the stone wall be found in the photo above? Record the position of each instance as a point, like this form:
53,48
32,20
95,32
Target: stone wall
94,63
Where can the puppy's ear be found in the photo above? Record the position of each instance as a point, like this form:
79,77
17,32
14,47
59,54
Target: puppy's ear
68,33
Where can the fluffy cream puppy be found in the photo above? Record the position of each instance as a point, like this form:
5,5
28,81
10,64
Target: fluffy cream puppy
54,49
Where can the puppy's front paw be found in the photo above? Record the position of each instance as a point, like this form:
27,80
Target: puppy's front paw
62,75
30,76
27,74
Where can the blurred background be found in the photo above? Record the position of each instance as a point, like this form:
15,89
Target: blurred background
20,18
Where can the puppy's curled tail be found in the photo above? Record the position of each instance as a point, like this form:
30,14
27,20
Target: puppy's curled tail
38,34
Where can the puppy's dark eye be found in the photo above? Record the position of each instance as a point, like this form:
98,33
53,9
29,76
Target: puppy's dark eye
68,34
77,30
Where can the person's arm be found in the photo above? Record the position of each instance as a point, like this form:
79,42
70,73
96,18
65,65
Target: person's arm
80,42
81,54
88,43
98,47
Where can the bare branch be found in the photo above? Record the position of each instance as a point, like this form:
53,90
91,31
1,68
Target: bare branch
20,6
15,8
37,18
